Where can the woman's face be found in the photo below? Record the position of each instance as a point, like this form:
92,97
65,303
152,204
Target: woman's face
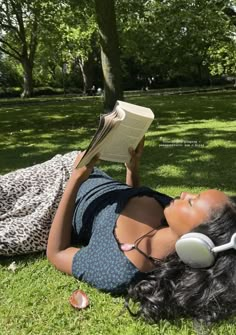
190,210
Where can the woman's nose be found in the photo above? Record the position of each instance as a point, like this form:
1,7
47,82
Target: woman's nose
186,195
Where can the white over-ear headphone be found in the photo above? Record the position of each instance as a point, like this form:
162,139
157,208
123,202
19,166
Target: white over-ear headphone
198,251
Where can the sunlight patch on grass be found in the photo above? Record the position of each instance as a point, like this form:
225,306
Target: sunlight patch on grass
34,299
172,170
221,143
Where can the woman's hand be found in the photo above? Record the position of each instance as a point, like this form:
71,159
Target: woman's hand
132,167
84,172
135,156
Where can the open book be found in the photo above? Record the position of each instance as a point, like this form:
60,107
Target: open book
124,127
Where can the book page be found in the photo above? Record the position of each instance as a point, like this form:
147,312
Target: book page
124,127
108,123
129,133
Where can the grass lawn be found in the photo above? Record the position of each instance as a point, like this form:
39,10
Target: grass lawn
191,146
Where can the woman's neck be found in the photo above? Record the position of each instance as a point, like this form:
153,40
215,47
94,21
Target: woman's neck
163,243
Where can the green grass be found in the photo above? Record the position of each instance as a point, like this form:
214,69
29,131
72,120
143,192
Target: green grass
190,146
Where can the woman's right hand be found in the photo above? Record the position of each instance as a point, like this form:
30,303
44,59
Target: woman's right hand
82,174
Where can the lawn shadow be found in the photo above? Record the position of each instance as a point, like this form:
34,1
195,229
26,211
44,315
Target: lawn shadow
191,142
21,260
32,133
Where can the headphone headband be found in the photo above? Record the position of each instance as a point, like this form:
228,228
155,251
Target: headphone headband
230,245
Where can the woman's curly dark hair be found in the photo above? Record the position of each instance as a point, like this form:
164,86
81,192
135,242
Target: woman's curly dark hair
174,289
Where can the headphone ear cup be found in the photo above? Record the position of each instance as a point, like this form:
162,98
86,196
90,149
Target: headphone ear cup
194,249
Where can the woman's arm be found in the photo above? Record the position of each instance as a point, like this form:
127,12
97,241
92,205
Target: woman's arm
59,252
132,167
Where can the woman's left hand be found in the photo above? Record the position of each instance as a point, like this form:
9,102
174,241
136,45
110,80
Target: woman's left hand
132,167
135,156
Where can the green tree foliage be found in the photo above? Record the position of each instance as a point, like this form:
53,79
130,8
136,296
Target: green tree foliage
169,41
222,52
71,44
223,58
19,26
44,36
172,38
10,72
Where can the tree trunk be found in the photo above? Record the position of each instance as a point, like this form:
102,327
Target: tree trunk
87,71
110,55
28,79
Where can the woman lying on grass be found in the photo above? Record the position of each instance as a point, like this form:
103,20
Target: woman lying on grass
129,235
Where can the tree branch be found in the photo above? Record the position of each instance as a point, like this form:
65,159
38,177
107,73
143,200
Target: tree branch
33,40
17,54
231,14
9,25
10,54
18,9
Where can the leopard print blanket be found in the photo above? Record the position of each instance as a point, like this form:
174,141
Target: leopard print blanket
28,201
